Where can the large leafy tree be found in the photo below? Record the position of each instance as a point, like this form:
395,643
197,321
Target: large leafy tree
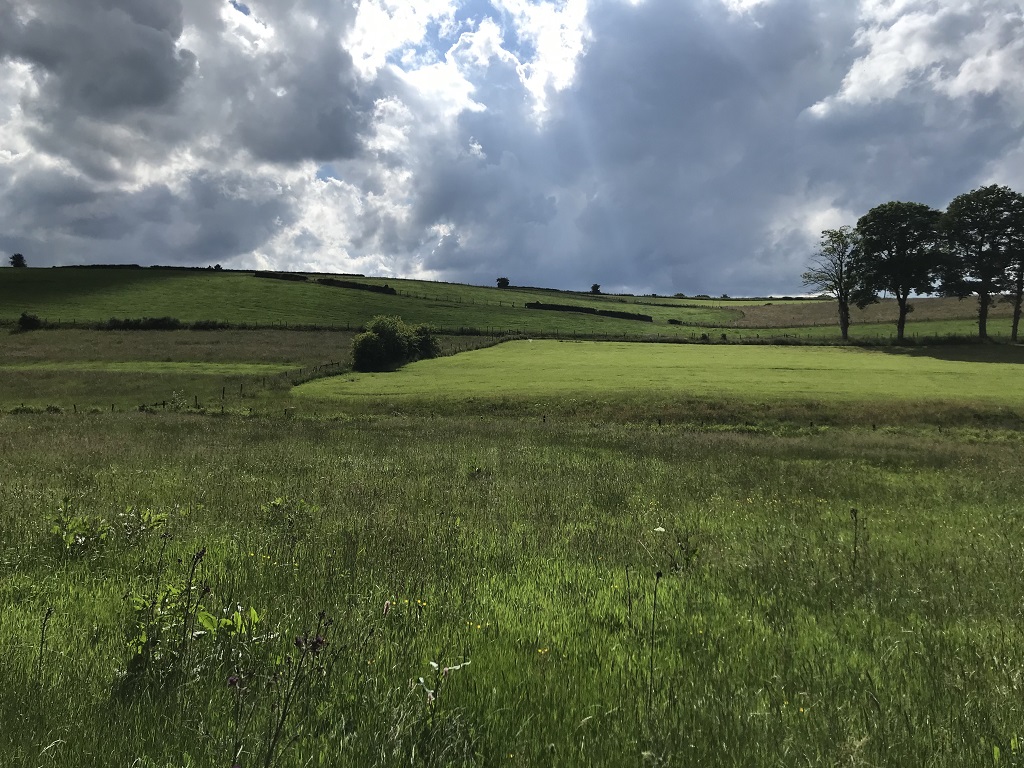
17,260
981,229
900,253
1016,282
1013,242
831,271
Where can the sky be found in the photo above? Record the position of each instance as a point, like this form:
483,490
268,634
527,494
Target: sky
649,146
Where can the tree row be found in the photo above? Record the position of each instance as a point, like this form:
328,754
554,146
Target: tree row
974,247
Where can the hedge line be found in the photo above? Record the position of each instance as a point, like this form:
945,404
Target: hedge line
590,311
357,286
282,276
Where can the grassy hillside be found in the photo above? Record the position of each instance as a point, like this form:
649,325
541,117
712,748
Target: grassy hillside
91,295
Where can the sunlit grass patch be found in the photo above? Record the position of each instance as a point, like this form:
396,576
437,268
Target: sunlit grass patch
549,369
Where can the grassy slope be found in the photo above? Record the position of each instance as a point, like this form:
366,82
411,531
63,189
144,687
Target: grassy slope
97,294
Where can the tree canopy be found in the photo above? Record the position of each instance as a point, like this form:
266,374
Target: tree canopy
982,228
900,253
831,271
17,260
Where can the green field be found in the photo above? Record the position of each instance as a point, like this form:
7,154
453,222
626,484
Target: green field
95,295
542,375
785,631
526,553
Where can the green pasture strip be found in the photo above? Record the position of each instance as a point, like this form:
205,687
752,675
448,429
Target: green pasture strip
289,348
546,368
124,390
135,366
624,595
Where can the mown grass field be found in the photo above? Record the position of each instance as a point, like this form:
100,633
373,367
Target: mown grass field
600,378
537,553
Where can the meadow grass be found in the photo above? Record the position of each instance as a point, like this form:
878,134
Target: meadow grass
787,631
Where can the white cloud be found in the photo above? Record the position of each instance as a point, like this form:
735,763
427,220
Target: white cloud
955,48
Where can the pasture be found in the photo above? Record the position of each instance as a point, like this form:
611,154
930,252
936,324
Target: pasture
623,594
546,552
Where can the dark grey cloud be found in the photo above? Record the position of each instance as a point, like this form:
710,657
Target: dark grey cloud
214,218
103,57
321,115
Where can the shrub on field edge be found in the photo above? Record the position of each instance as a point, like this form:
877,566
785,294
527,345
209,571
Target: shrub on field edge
29,322
389,342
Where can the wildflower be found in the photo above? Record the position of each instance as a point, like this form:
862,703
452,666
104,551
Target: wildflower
387,607
233,681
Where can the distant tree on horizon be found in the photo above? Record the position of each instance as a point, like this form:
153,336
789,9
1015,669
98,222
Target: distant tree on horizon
595,288
18,261
503,282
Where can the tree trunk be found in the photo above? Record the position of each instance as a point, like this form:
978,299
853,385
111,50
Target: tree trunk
1018,299
901,323
844,319
984,300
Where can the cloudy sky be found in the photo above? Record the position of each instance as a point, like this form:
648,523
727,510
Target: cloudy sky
695,146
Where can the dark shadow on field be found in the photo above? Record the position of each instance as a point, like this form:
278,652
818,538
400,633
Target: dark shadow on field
976,352
42,285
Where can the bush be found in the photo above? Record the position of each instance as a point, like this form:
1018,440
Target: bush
29,322
389,343
426,344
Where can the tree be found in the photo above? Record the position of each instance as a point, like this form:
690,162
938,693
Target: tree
595,288
17,260
503,282
831,271
980,228
1016,282
899,253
